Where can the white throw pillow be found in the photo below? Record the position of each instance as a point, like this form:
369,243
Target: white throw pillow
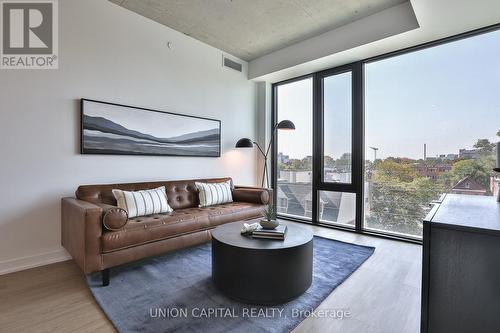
141,203
214,193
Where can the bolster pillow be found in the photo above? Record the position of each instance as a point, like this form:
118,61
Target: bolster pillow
113,218
252,195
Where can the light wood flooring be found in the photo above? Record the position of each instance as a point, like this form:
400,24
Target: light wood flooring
383,295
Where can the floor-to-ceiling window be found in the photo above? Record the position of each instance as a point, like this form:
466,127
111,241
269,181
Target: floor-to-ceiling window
294,149
431,117
425,124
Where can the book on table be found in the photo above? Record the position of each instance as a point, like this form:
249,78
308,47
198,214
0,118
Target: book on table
278,233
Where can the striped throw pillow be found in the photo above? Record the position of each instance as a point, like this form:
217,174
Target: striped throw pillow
141,203
214,193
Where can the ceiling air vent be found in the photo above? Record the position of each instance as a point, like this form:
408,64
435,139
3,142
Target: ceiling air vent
226,62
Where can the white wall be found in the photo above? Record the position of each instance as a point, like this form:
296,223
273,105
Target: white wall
263,121
106,53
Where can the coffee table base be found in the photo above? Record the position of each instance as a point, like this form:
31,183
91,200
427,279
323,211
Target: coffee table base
257,276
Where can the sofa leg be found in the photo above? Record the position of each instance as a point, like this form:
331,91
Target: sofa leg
105,277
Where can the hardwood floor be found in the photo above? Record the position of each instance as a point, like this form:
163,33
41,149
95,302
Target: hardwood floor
52,298
383,295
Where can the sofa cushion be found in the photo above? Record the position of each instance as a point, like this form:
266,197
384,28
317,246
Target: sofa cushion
211,194
142,203
142,230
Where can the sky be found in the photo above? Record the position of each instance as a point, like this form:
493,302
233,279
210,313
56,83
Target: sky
446,96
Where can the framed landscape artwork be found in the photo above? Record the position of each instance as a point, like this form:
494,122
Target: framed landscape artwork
108,128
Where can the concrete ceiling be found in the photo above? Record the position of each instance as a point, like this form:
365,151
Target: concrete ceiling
250,29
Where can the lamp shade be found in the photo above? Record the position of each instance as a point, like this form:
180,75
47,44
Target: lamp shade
244,143
285,125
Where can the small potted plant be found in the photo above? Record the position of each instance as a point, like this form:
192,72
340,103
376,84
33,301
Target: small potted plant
269,218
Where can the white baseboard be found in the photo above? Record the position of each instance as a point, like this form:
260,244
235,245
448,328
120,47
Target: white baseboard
19,264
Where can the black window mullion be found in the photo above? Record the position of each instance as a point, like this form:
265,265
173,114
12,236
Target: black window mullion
358,132
317,143
274,154
336,187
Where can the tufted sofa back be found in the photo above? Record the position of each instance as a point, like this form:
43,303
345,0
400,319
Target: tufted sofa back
181,193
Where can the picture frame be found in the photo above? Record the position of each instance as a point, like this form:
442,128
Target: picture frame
118,129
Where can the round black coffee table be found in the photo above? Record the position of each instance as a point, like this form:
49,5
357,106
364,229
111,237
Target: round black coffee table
261,271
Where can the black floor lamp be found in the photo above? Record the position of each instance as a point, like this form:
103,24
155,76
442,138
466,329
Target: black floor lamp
247,143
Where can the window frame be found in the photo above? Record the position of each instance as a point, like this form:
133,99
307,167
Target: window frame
358,135
357,129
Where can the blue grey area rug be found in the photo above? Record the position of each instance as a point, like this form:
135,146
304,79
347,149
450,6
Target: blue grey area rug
175,293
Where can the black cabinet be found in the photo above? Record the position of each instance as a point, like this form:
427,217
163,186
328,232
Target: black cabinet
461,266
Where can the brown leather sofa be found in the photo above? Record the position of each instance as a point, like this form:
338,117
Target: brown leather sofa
99,235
